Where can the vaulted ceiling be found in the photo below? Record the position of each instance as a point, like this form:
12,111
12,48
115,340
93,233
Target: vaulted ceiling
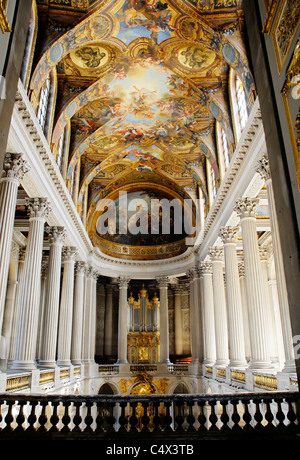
140,86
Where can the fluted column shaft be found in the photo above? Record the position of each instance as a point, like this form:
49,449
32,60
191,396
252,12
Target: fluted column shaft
51,310
108,321
19,291
246,210
220,309
208,311
123,321
79,293
195,310
178,323
29,307
233,296
14,168
289,365
66,308
164,320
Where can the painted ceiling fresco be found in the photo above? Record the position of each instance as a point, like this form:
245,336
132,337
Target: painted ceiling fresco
141,84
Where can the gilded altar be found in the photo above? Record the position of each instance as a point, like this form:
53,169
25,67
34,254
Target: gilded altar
143,338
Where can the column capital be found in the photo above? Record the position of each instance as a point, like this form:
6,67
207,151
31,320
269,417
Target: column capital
241,267
228,234
14,166
56,234
206,268
91,272
22,253
38,207
123,282
216,253
193,273
69,253
263,168
264,253
246,207
162,281
80,267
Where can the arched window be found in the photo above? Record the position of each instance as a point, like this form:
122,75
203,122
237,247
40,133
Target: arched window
212,183
225,151
43,103
238,102
60,149
241,102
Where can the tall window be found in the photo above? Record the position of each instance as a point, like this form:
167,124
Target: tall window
43,104
213,183
61,145
225,148
241,102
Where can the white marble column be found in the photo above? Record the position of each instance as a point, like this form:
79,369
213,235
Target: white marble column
123,320
79,295
18,297
195,313
66,307
270,320
208,311
14,168
164,319
233,296
178,322
241,267
220,308
29,307
289,365
51,309
108,321
246,209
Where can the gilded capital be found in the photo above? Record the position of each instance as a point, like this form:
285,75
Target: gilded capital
228,234
38,207
14,166
246,207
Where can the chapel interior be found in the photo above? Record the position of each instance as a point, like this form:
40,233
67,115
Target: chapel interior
187,102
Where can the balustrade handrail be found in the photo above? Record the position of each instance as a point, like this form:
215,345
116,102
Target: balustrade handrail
116,398
177,416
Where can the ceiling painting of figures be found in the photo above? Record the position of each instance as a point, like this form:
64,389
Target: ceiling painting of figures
141,85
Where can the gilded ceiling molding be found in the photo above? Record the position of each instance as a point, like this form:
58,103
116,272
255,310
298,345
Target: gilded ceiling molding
4,25
291,96
271,13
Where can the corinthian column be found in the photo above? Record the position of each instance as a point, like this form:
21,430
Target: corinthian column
14,168
233,295
29,303
89,320
123,321
289,365
246,209
208,311
195,314
220,308
178,322
66,308
79,292
164,319
50,318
